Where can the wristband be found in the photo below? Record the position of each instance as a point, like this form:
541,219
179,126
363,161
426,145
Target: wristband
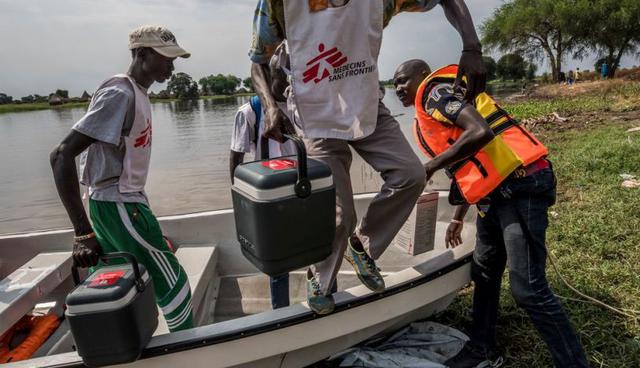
84,237
459,222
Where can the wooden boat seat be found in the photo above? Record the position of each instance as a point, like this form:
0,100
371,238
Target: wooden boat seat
199,262
26,286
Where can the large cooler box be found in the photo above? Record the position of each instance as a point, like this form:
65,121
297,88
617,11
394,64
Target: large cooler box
285,211
112,314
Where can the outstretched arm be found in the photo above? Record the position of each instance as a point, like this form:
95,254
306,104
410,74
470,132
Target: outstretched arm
470,64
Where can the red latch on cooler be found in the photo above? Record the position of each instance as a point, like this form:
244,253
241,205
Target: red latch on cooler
280,164
107,278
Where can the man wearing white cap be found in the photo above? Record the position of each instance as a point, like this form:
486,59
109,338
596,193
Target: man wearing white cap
114,137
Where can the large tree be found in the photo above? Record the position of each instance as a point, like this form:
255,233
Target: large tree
5,99
511,66
490,65
183,87
248,84
219,84
611,29
61,93
536,28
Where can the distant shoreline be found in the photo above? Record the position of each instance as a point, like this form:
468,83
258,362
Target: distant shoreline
25,107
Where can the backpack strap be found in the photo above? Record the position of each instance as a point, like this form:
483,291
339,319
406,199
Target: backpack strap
131,110
256,106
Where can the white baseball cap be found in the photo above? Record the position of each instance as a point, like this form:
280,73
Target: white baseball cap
158,38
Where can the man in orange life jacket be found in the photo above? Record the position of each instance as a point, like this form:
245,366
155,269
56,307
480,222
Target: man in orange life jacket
495,163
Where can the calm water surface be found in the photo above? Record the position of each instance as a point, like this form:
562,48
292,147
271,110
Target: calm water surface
189,165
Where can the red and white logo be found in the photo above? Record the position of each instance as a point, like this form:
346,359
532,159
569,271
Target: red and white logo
106,279
320,66
280,164
144,139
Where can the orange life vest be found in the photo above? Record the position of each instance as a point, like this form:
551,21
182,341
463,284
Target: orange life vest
39,328
477,176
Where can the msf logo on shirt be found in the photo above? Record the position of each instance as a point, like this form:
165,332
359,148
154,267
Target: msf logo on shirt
144,139
320,66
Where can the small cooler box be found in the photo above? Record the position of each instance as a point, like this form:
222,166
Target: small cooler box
285,211
113,313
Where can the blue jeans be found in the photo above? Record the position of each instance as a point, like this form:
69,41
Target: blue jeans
280,290
512,233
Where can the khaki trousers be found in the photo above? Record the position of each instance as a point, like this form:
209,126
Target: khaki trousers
389,153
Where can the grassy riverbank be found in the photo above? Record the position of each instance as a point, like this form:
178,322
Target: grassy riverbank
39,106
593,230
607,96
45,106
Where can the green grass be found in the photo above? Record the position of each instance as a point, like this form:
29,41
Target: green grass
563,106
499,83
38,106
624,97
596,242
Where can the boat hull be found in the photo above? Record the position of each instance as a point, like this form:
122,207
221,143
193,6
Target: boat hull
292,336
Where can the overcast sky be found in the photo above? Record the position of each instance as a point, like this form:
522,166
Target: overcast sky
75,44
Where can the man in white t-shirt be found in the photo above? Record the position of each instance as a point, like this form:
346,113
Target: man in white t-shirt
247,136
115,138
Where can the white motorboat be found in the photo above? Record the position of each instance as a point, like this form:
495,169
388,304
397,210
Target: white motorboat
236,326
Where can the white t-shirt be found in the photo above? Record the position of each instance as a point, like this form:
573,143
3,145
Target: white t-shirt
103,163
243,138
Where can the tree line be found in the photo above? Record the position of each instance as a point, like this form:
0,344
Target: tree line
554,30
508,67
180,86
60,94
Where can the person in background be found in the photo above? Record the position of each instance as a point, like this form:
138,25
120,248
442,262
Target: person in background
115,135
577,75
503,168
570,77
604,70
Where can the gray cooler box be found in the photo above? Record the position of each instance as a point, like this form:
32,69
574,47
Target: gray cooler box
112,314
285,211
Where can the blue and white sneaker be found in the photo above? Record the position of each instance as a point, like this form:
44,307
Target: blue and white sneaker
366,269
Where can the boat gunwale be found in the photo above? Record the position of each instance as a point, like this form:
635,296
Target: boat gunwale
298,318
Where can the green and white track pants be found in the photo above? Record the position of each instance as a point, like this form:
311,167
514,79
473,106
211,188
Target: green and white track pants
132,227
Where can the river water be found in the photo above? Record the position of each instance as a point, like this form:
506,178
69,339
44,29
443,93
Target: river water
189,164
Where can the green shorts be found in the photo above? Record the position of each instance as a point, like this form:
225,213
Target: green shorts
132,227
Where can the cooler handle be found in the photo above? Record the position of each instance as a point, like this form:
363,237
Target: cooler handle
115,255
303,185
